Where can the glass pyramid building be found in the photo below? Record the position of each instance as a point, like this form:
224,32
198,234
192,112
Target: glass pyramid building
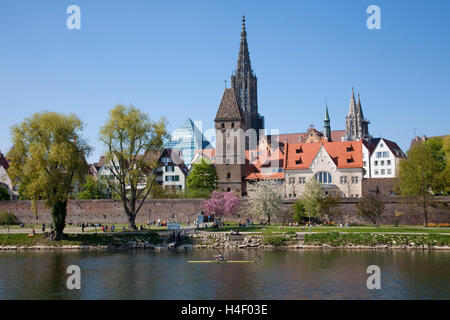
187,139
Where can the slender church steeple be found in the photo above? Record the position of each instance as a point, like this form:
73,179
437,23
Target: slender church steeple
327,125
244,83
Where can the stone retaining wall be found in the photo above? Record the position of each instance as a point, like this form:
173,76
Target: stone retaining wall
111,211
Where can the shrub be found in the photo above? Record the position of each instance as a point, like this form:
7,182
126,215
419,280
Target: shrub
274,239
4,194
8,218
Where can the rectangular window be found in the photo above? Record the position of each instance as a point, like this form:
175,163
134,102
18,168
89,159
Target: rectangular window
389,171
382,162
383,172
376,172
375,163
364,163
379,154
177,178
388,162
355,179
343,179
386,154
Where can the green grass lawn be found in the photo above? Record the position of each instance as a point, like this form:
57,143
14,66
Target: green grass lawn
78,239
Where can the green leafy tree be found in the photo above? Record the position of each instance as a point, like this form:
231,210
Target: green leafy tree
47,159
328,205
203,178
419,175
371,207
132,140
312,198
4,194
299,211
436,145
93,189
264,200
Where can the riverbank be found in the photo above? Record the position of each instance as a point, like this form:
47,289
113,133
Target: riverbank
225,240
80,241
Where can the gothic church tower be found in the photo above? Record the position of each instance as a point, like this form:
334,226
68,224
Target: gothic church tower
244,83
356,126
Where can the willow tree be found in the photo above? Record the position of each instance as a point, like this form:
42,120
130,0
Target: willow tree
133,143
47,160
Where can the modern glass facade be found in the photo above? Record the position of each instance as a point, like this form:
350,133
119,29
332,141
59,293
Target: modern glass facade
187,139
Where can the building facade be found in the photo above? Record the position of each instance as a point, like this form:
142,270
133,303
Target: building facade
188,138
5,180
337,166
172,172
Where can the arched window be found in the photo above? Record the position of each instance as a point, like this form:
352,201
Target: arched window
323,177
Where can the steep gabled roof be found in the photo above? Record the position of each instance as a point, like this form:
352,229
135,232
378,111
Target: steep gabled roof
3,162
229,108
395,149
345,154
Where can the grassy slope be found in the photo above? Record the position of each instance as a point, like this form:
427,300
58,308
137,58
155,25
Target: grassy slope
78,239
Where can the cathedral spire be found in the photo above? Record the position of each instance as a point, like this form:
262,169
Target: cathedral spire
359,108
243,65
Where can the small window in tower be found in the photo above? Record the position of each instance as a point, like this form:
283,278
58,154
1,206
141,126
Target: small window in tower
232,124
223,125
228,175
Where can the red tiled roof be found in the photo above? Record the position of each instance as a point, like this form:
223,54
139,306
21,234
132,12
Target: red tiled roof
262,176
336,136
345,154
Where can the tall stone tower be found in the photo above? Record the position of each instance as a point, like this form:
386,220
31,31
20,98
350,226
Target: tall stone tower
356,126
230,145
244,83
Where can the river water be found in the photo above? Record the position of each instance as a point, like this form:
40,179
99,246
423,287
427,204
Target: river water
310,274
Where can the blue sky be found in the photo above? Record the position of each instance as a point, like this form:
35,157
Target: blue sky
170,58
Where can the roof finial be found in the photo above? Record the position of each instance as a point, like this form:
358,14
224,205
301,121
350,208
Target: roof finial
243,31
225,84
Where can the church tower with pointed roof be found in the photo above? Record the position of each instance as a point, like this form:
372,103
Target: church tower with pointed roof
357,127
327,125
230,145
244,83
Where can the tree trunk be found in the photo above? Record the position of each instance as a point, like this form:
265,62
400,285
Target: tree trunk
59,213
425,214
131,221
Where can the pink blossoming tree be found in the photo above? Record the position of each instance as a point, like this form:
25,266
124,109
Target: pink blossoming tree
221,204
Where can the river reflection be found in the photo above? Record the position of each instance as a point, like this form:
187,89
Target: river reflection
310,274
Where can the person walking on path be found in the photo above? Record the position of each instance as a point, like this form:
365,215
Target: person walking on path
82,227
